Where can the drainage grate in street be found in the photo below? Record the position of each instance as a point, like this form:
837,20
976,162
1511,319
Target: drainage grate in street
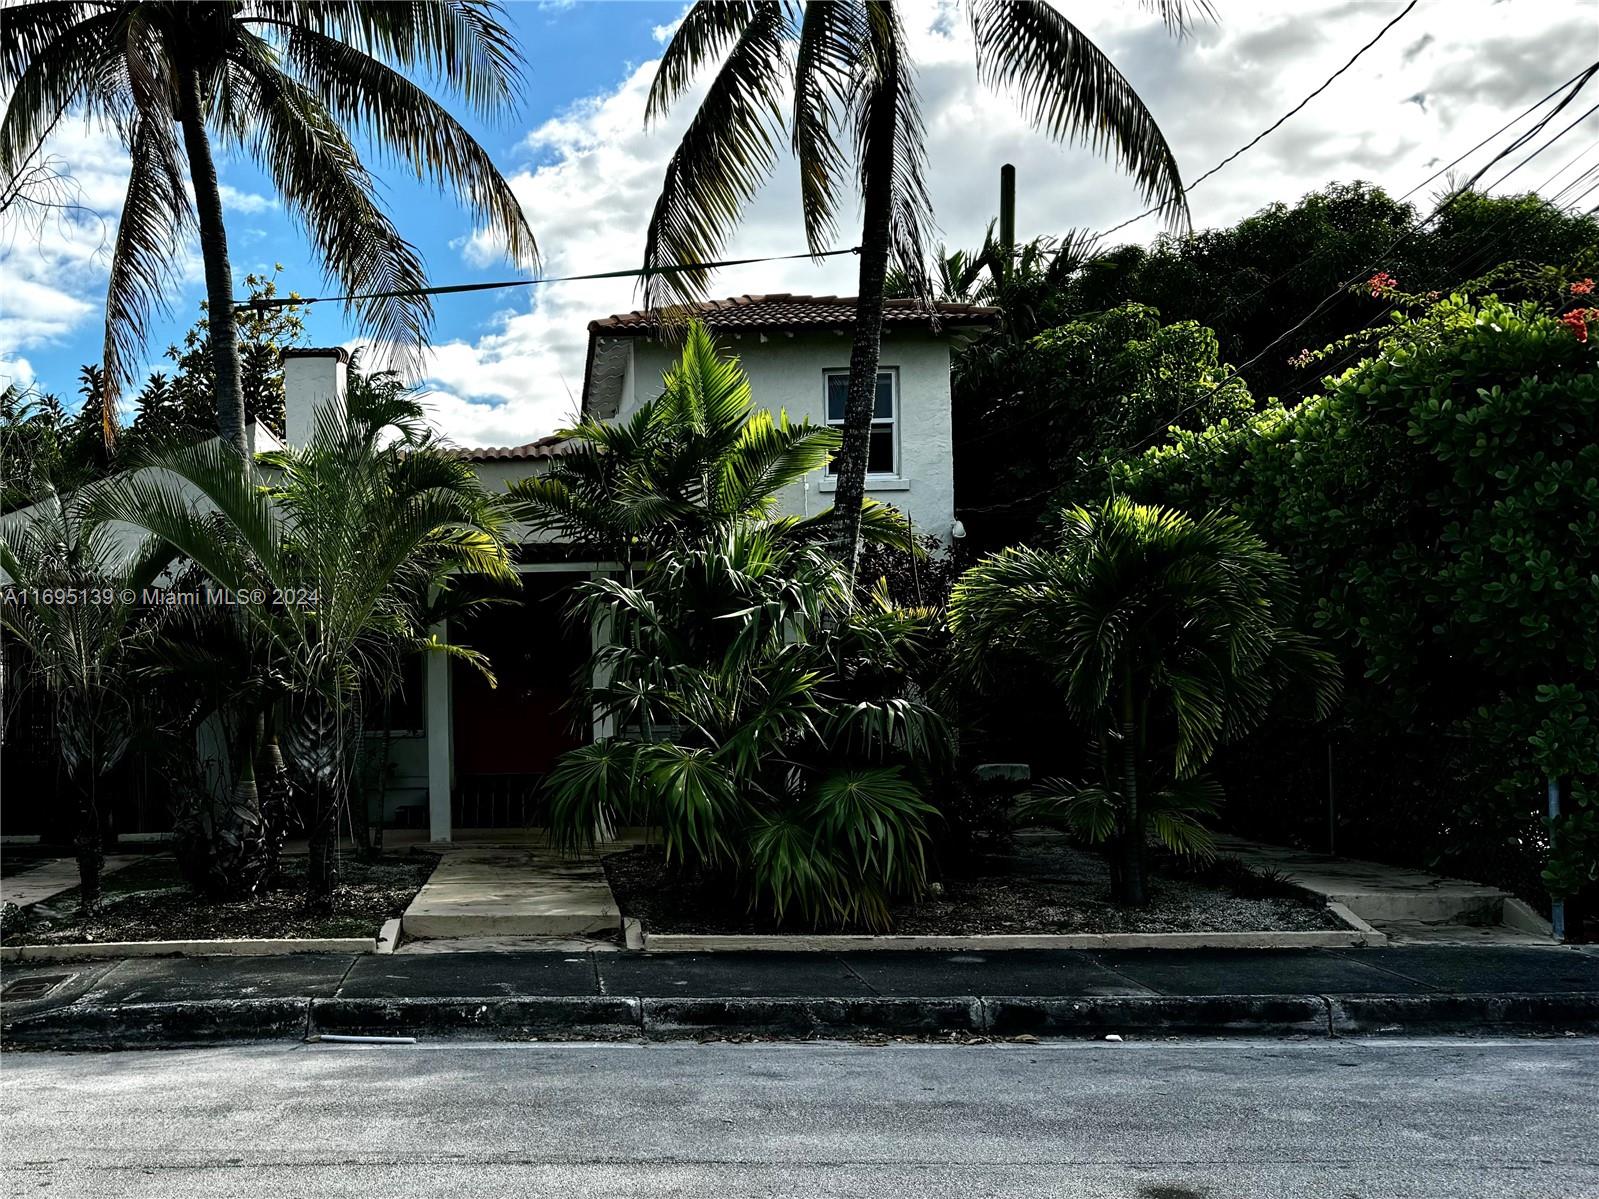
35,986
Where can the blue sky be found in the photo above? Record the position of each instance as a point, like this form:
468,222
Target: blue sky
504,367
573,50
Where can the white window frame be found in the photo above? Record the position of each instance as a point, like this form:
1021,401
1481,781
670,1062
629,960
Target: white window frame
829,474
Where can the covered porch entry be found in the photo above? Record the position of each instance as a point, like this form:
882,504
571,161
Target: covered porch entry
489,747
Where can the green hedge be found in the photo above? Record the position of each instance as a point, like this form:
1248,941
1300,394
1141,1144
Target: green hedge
1441,501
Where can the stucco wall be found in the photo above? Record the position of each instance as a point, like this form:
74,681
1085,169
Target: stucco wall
788,373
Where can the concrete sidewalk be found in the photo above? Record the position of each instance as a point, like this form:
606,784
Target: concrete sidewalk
500,996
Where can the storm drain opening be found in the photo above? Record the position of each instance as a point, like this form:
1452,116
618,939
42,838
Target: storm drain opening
35,986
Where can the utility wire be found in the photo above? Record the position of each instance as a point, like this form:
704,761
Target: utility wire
1542,148
456,288
1573,161
1571,206
1453,198
1275,125
1580,78
1463,267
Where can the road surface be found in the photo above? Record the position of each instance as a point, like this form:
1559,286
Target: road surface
1137,1120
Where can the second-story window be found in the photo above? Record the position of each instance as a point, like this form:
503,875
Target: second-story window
882,452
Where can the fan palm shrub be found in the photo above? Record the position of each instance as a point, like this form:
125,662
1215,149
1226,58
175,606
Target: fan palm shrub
836,80
767,724
71,601
1167,636
285,84
214,679
694,462
330,562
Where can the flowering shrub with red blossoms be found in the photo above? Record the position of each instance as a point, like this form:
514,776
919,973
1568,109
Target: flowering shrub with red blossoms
1442,498
1577,321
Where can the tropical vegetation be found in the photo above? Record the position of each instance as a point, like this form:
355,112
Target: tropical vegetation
331,566
766,722
1166,637
698,460
844,75
1443,497
290,86
70,602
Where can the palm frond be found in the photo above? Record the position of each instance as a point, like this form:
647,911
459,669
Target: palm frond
416,130
829,37
726,154
323,183
1071,90
156,217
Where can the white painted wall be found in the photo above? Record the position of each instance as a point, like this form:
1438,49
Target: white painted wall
789,373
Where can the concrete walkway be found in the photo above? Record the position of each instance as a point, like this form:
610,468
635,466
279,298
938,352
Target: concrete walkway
51,877
512,891
1408,906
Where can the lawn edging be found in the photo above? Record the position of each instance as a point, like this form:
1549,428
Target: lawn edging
1351,938
94,950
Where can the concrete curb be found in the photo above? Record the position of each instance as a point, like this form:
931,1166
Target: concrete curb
598,1017
669,1018
158,1025
577,1016
1206,1015
164,949
1362,1015
852,942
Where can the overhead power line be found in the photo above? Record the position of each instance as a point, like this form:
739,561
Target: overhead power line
457,288
1275,125
1454,196
640,272
1542,148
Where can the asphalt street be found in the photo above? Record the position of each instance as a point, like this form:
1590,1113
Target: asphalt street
1140,1120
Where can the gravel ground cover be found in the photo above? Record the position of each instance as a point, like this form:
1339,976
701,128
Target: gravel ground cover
148,901
1039,884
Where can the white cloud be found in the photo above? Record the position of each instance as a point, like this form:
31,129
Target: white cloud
16,372
55,251
56,244
234,201
1476,62
1449,74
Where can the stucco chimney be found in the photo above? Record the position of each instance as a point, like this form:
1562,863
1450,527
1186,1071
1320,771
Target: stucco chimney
311,378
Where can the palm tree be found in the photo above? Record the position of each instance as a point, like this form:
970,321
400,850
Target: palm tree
285,84
331,561
1167,637
767,726
695,461
853,83
73,602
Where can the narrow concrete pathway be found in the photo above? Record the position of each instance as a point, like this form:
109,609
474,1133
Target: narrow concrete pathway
512,891
1407,906
51,877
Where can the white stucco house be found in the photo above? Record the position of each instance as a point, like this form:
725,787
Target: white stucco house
474,756
463,755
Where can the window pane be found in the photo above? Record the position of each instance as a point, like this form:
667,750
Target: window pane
880,452
837,392
885,396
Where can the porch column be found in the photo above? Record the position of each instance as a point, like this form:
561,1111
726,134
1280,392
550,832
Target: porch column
441,755
599,637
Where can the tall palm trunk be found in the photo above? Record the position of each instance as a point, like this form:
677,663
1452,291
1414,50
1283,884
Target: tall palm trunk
276,802
89,845
218,270
323,849
866,351
1128,879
